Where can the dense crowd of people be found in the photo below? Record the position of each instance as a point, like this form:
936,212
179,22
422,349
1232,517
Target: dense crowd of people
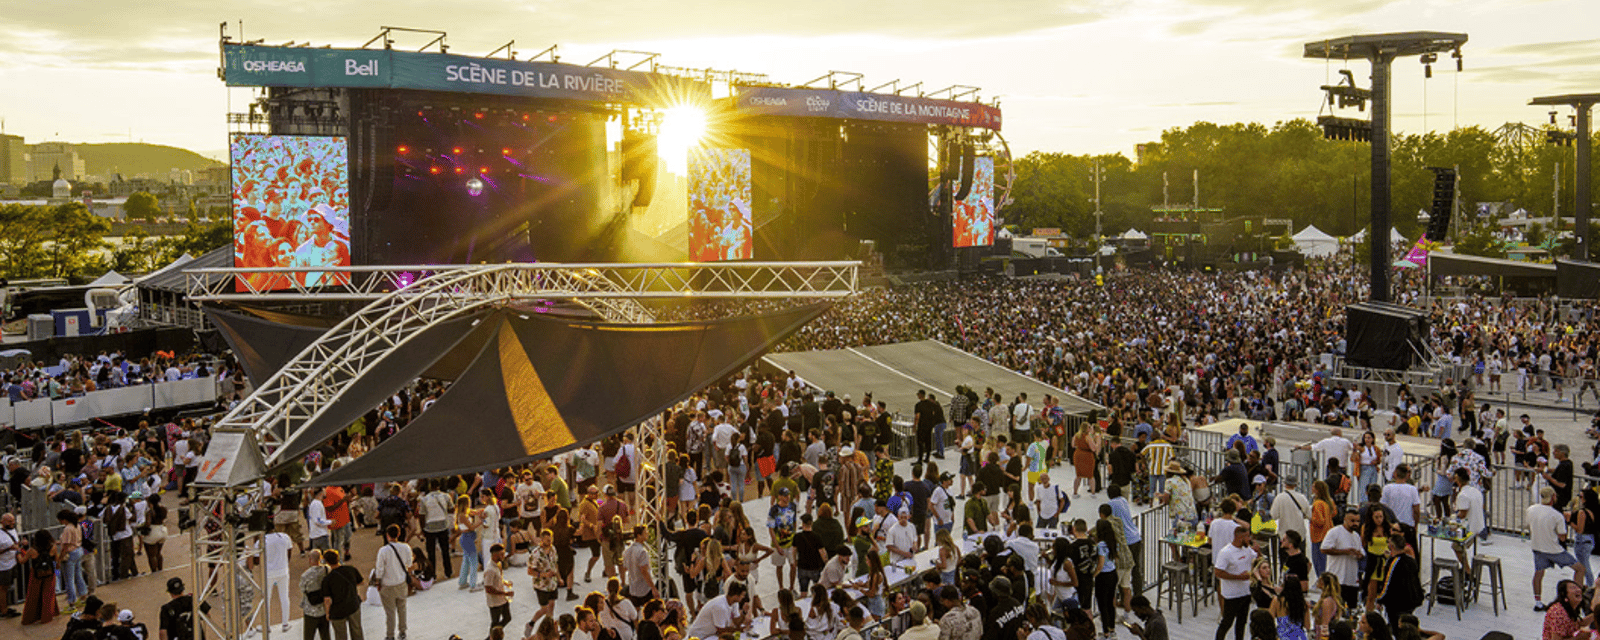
1161,350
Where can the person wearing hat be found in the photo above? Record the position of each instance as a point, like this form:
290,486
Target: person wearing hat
942,504
1050,503
921,627
1291,510
176,618
1005,615
127,629
1233,477
782,522
1179,495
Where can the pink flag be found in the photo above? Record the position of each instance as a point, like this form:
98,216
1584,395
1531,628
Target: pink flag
1418,255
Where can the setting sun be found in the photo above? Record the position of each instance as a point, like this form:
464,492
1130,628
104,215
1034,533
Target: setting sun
682,128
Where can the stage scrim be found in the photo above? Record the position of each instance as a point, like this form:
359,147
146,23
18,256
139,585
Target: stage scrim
543,385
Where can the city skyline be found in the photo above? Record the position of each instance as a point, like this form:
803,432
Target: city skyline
1081,77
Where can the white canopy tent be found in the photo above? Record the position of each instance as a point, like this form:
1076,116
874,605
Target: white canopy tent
1312,241
1394,236
1134,234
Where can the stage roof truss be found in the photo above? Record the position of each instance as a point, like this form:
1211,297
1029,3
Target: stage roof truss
280,409
611,290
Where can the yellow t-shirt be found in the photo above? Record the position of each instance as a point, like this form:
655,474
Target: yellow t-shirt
1379,545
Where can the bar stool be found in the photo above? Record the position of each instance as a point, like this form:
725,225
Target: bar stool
1204,580
1174,579
1456,578
1497,591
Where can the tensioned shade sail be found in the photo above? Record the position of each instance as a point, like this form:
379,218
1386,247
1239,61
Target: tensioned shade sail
543,385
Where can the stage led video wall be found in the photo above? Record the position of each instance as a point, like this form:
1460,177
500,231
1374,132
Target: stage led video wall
720,224
974,215
291,208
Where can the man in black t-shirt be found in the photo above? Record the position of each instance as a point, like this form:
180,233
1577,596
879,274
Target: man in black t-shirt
927,414
809,554
1085,555
177,615
1005,616
1559,476
1123,461
687,541
342,586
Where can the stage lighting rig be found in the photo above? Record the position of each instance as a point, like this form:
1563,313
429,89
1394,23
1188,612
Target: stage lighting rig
1346,94
1581,103
837,79
1380,49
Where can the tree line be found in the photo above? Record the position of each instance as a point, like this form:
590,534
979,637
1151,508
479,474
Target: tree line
1290,171
69,241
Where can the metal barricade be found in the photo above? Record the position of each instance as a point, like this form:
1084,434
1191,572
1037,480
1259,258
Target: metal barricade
1154,524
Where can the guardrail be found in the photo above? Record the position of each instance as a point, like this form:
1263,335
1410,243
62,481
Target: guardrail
45,412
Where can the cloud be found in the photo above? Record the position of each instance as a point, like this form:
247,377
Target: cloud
1550,48
1314,8
1171,105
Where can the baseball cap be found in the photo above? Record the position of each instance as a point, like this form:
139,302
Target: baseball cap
175,585
1259,479
783,491
126,615
847,450
611,489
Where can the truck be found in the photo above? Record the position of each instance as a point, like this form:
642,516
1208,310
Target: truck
1034,247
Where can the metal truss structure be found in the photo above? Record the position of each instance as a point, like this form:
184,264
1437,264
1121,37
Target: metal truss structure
254,436
611,290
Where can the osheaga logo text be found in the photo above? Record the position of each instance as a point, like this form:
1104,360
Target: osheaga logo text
275,66
769,102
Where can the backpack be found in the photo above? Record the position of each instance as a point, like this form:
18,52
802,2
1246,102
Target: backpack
624,466
89,543
392,510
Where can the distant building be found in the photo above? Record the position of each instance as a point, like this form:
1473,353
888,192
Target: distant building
13,161
45,156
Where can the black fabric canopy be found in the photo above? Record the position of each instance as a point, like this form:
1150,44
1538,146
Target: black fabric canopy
1454,264
1577,280
263,341
543,385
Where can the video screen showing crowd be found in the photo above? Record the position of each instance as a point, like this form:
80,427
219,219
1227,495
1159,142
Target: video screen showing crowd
291,204
974,215
720,226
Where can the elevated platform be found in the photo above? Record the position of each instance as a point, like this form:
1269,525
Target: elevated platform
894,373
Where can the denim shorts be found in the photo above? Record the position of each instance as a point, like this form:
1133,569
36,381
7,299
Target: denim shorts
1542,561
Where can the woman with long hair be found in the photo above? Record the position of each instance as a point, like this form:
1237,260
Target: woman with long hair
708,568
1330,605
877,585
822,619
1105,579
1321,521
1373,627
1262,625
39,561
1290,611
949,557
749,553
69,555
1084,448
1375,539
154,532
1366,458
1062,579
466,525
786,615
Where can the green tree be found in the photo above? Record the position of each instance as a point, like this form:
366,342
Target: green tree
23,232
75,241
141,206
1479,241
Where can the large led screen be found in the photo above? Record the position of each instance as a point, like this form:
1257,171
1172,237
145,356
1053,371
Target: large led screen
291,208
974,215
720,226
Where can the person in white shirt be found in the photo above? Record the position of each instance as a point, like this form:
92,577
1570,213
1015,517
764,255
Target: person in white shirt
942,504
1469,507
1342,546
921,627
1333,447
9,539
721,616
1221,531
1405,501
1393,453
1050,503
1232,568
641,588
390,571
275,548
436,516
1291,509
1024,546
489,531
1547,530
901,537
317,521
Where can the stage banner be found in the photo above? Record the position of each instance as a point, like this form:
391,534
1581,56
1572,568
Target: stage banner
257,66
827,103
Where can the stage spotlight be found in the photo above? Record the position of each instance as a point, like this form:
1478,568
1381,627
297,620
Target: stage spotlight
506,151
483,170
456,151
433,170
460,171
404,149
475,187
682,129
478,115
